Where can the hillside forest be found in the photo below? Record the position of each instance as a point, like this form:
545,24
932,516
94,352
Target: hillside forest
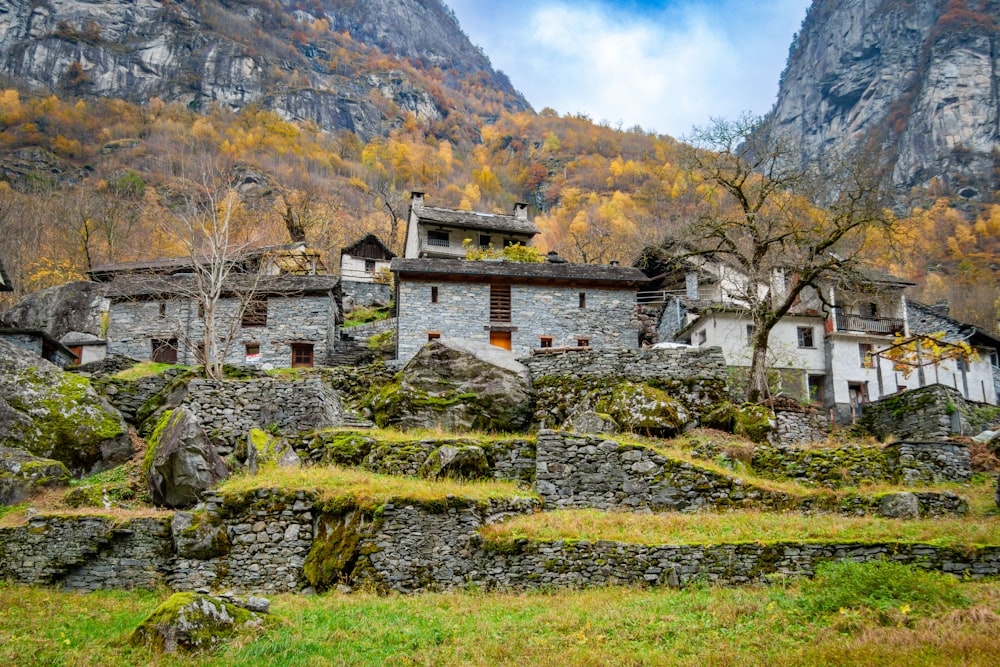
95,181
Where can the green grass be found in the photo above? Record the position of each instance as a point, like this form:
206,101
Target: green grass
143,369
365,489
612,626
741,527
364,315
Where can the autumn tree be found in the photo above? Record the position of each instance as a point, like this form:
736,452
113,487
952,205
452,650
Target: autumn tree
781,227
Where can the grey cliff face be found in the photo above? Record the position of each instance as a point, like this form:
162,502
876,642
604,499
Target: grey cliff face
235,54
919,83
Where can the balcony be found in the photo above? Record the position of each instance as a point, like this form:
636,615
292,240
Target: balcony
884,326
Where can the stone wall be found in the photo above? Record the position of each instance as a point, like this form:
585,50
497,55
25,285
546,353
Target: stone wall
229,409
128,396
133,324
926,414
930,462
462,310
357,293
799,427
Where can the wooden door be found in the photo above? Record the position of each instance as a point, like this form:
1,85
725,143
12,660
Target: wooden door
500,339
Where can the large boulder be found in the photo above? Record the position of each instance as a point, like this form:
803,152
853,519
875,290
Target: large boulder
641,408
198,622
458,385
57,415
181,463
79,306
267,451
903,505
21,474
200,535
457,462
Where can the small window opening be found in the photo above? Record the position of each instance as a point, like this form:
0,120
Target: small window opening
583,299
253,353
440,239
583,342
866,352
255,313
370,266
433,335
302,355
434,294
545,341
805,337
163,309
499,303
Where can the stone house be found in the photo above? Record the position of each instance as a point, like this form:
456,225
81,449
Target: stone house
364,271
86,348
443,233
40,344
519,306
271,321
978,380
824,351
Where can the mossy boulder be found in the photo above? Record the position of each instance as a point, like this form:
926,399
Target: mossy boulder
458,385
21,474
57,415
459,462
750,420
639,407
200,535
266,450
590,421
195,623
181,463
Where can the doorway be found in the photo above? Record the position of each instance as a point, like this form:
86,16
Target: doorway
500,339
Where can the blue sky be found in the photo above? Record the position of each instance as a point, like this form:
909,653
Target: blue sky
666,65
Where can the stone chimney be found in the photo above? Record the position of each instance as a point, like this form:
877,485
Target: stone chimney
416,199
521,211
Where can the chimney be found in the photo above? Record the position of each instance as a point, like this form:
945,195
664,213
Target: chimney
417,199
521,211
691,284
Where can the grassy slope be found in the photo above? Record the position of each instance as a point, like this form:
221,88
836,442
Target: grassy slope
700,626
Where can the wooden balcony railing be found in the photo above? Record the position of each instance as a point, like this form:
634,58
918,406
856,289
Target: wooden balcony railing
887,326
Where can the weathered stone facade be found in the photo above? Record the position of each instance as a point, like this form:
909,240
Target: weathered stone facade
799,427
930,462
307,319
358,293
536,312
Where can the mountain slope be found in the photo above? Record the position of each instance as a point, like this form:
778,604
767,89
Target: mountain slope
344,64
915,80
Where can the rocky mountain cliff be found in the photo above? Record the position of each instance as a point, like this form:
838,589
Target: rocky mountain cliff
344,64
917,80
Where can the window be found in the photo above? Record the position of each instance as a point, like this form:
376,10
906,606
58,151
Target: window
255,313
583,342
369,266
994,359
806,337
865,351
485,241
434,294
302,355
583,299
702,337
438,239
201,310
545,341
253,353
509,242
868,309
433,335
499,303
815,383
750,331
164,350
163,309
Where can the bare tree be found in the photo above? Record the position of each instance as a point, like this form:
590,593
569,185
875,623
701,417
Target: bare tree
782,228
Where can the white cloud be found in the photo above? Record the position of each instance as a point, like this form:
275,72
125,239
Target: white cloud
665,69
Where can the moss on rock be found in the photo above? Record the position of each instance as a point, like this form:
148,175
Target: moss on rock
193,623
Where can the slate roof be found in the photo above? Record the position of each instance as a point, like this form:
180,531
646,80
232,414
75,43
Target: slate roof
368,238
168,265
527,272
184,285
5,285
924,319
494,222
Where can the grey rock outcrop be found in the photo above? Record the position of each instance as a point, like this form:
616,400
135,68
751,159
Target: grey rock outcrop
459,385
181,463
21,474
57,415
237,54
265,450
199,535
899,506
914,78
195,622
467,462
78,306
